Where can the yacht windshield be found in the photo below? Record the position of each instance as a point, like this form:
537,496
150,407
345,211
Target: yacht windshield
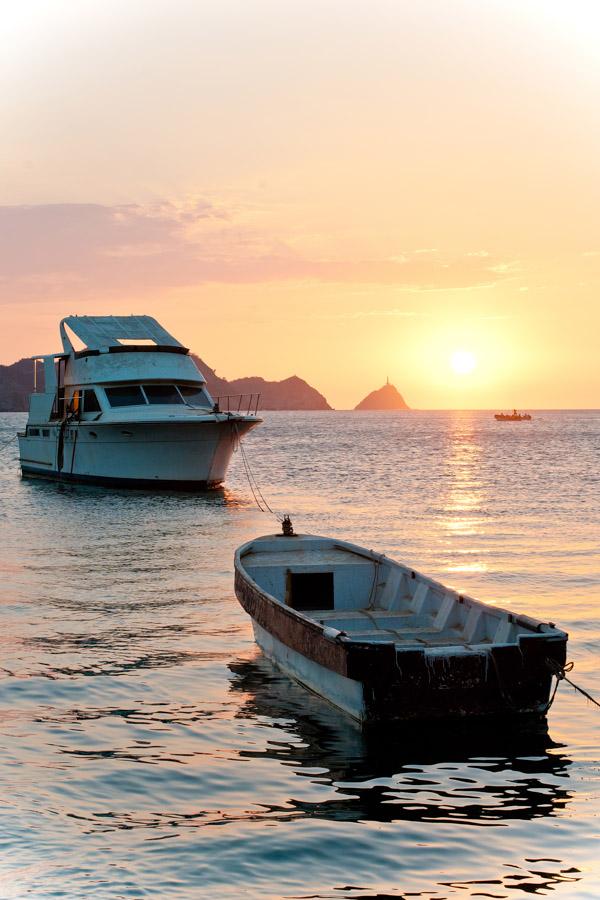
194,394
162,393
129,395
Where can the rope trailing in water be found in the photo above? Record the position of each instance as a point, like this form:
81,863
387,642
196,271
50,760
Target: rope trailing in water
254,486
560,673
6,443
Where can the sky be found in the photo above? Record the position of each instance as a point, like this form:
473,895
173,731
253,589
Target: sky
345,191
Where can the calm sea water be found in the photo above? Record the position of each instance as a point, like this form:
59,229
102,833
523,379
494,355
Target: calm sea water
148,750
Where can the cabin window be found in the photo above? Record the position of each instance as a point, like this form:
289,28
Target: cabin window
33,432
310,590
45,432
90,401
129,395
194,394
162,394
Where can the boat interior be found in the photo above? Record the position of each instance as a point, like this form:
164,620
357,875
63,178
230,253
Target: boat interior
368,597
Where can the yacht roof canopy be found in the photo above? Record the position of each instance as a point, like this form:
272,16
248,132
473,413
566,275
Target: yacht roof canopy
98,332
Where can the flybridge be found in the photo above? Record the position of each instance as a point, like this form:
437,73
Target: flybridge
104,334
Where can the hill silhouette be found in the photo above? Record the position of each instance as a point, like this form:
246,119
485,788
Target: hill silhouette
387,397
291,393
16,383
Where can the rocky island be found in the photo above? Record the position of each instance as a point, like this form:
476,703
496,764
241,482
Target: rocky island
387,397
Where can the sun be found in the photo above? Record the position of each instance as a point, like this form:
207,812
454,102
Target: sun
463,362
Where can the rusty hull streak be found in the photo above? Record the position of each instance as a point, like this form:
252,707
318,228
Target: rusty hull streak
302,635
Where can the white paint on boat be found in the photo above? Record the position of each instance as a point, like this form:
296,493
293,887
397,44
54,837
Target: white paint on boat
378,599
345,693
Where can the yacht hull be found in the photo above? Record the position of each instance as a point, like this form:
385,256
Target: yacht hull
183,456
132,483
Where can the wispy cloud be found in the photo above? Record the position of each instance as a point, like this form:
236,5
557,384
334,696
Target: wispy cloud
393,312
88,250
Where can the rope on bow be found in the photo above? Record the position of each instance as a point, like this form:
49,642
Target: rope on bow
560,673
254,486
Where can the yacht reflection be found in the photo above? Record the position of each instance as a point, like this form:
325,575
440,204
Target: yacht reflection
220,497
461,774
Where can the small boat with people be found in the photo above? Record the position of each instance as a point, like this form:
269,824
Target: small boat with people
124,404
514,416
384,643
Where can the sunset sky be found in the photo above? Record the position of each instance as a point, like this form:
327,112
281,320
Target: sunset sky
340,190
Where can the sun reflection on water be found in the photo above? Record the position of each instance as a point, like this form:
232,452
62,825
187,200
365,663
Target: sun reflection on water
464,497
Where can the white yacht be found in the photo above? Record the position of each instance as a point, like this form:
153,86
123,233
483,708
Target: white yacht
130,408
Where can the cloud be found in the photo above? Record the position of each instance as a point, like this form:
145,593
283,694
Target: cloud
89,250
393,312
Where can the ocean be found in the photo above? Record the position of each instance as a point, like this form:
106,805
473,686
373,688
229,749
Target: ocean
149,750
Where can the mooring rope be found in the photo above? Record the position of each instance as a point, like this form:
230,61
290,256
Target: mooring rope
6,443
374,585
258,495
560,673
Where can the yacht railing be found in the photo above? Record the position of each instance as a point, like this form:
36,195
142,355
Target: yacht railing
238,403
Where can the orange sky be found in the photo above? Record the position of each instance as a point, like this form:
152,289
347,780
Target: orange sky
343,191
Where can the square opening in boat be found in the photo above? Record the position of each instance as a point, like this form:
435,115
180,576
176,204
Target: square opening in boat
310,590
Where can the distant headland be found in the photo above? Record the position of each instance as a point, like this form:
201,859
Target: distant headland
16,383
291,393
387,397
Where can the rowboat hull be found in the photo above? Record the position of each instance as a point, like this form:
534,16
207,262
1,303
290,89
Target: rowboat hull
391,674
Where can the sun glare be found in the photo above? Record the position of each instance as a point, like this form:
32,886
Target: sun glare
463,362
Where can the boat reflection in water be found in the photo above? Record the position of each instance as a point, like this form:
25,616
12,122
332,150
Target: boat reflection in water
457,775
526,763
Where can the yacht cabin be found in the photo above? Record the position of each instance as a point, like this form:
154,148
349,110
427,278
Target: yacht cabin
124,404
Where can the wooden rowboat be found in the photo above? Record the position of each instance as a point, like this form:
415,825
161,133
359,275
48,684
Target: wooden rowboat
383,642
